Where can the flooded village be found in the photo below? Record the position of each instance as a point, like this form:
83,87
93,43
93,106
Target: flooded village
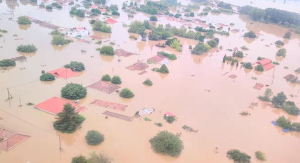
170,81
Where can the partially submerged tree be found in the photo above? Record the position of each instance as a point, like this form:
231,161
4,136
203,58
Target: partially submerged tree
281,52
68,120
291,108
250,34
279,42
164,69
116,80
200,48
106,77
73,91
148,82
238,156
167,143
79,159
259,68
239,54
126,93
279,100
75,66
59,40
260,155
136,27
248,65
153,18
23,20
26,48
47,77
107,50
94,137
267,95
7,63
212,43
94,158
101,26
287,35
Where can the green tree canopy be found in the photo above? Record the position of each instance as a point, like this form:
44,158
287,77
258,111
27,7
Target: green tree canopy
106,77
79,159
68,120
126,93
27,48
259,68
94,137
116,80
23,20
107,50
238,156
101,26
279,100
136,27
75,66
164,69
167,143
47,77
199,49
281,52
73,91
59,40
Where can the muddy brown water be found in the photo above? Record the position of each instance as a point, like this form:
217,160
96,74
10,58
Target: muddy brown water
214,113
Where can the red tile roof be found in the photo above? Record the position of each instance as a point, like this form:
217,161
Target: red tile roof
264,61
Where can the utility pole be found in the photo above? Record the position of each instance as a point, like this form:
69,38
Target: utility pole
9,94
59,142
20,101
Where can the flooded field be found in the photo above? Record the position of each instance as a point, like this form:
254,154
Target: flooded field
196,90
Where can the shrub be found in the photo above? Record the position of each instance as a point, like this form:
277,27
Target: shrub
259,68
199,49
158,124
248,65
77,12
23,20
287,35
75,66
164,69
167,143
47,77
279,100
114,12
169,119
238,156
68,120
250,34
126,93
212,43
279,42
100,26
73,91
147,119
59,40
284,123
107,50
99,159
116,80
281,52
26,48
239,54
94,137
79,159
148,82
260,155
153,18
106,77
291,108
49,7
7,63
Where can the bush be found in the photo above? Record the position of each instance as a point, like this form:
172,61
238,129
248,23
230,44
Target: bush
279,42
107,50
68,120
49,7
164,69
259,68
199,49
148,82
114,12
59,40
75,66
47,77
73,91
238,156
77,12
167,143
284,123
212,43
7,63
169,56
281,52
116,80
23,20
248,65
153,18
126,93
279,100
260,155
100,26
250,34
239,54
79,159
94,137
106,77
287,35
26,48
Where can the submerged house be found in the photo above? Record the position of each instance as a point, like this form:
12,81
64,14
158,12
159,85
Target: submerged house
266,63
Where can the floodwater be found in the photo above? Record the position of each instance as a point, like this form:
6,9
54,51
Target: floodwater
214,113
